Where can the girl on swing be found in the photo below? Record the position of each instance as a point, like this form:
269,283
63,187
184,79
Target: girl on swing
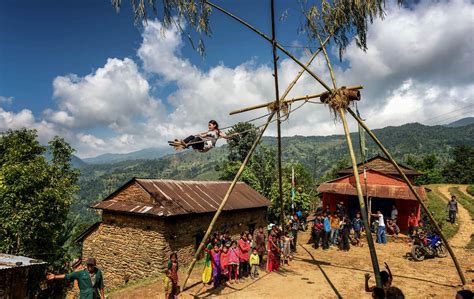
202,142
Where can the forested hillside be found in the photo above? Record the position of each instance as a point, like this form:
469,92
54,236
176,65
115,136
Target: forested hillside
317,153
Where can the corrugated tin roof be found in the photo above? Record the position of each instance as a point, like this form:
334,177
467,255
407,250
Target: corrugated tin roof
185,197
381,191
8,261
383,165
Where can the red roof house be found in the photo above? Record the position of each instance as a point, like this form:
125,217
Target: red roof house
383,186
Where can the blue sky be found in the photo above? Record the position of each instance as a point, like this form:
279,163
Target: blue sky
80,70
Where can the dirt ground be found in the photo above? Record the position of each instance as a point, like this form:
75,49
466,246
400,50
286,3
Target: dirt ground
335,274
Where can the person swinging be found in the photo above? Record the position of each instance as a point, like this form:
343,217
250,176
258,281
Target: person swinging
202,142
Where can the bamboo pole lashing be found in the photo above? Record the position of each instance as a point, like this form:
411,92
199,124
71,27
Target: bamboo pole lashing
292,100
413,191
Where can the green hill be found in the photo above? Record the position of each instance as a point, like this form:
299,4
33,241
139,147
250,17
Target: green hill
318,153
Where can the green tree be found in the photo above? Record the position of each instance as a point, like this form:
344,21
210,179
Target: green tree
461,168
429,165
35,194
343,19
240,144
331,174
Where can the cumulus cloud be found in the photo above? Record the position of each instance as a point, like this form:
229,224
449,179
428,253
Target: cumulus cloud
111,96
418,65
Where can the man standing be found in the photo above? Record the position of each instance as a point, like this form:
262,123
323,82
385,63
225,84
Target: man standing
381,235
89,280
452,209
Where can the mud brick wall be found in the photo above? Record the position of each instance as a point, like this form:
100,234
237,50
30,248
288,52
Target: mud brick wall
185,232
126,247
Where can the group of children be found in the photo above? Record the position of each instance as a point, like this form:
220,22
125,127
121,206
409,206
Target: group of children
229,260
335,229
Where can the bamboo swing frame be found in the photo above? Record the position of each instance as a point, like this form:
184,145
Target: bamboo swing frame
341,111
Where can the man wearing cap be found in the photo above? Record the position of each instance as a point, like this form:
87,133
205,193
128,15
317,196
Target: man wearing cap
90,280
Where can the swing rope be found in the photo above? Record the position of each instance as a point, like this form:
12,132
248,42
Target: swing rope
260,126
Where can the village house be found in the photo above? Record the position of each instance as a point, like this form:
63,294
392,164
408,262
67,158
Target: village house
383,185
20,276
145,220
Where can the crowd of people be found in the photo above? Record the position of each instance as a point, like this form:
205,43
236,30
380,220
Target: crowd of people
234,260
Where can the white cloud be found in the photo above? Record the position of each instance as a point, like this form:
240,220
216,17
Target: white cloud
418,65
6,100
111,96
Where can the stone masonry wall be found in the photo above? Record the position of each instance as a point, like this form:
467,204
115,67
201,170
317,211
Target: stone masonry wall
126,248
183,233
133,192
131,247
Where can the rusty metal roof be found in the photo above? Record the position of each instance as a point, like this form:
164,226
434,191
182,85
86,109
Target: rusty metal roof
382,165
374,190
8,261
171,197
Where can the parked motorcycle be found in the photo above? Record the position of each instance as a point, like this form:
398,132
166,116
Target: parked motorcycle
428,246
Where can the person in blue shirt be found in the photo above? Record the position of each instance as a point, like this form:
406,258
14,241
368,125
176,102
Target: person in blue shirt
357,226
326,231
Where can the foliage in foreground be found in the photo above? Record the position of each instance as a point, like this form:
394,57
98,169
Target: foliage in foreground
35,195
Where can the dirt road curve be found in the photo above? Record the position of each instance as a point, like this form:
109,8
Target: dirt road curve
466,227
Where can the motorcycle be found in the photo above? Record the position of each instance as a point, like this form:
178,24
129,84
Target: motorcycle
428,246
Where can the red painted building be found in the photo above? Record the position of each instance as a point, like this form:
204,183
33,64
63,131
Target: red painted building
382,184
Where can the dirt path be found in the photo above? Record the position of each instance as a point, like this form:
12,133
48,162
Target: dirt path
466,228
329,274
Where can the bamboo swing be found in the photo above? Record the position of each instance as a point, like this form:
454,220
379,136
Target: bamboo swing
338,100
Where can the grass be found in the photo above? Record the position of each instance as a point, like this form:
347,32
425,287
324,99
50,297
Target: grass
437,206
468,204
470,190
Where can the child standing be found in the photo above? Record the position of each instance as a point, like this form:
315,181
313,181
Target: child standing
216,265
254,263
233,262
287,240
357,226
173,268
225,262
168,285
244,248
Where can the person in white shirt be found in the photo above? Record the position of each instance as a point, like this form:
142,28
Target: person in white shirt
381,233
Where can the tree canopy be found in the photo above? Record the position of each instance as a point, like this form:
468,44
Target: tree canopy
342,19
35,194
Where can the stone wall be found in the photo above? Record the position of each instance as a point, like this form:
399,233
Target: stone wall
183,233
130,247
133,192
126,247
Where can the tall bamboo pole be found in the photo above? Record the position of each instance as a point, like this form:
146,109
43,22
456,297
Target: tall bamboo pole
224,201
363,210
277,102
412,189
280,47
247,158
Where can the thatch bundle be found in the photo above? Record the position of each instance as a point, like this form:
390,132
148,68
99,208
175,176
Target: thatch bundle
341,98
284,108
